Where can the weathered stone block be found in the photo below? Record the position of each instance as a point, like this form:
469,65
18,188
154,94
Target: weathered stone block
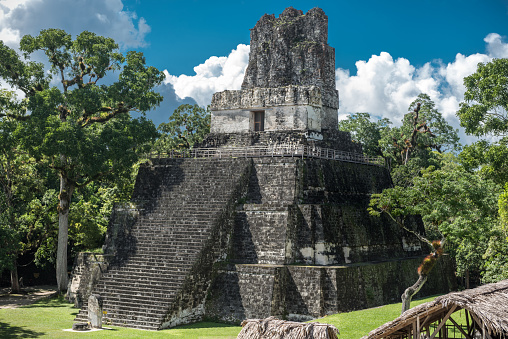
95,311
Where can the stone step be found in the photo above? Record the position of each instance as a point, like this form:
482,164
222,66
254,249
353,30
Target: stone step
139,294
170,257
164,262
138,298
155,265
115,299
194,244
143,275
148,283
171,236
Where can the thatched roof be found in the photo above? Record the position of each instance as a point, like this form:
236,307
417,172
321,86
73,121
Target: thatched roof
488,303
272,328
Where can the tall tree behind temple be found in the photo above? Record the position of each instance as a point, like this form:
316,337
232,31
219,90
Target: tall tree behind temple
188,125
484,113
83,128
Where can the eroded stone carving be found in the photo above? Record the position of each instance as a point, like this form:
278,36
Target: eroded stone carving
290,78
95,311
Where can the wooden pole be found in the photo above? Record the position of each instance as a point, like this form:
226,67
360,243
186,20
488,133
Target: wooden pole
417,327
443,321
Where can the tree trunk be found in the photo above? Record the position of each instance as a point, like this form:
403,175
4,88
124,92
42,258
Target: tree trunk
411,291
66,190
467,278
14,279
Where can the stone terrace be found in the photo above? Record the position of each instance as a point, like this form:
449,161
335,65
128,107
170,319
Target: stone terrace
181,213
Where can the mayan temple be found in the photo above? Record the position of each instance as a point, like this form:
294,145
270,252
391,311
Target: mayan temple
267,216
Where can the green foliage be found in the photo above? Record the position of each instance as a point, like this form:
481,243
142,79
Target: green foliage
83,129
503,209
496,259
366,132
188,125
86,124
89,215
490,160
496,256
423,130
486,100
454,205
20,184
408,148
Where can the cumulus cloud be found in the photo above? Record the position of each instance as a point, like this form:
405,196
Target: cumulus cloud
385,87
214,75
495,46
382,85
108,18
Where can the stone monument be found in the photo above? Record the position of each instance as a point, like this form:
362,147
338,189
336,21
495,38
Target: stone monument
233,233
95,311
288,91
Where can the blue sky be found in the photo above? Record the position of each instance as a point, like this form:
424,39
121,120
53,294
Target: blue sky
387,52
185,33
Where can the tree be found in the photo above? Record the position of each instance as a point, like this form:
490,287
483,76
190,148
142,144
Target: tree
458,209
485,107
496,256
488,159
423,130
408,148
484,112
19,185
188,125
366,132
83,128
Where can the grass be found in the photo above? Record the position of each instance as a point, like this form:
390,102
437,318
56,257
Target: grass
356,324
48,318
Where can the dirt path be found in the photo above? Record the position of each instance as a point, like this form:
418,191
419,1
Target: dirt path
28,295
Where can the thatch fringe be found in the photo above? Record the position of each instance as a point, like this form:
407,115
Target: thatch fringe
272,328
489,303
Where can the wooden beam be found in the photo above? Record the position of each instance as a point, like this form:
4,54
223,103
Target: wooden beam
481,324
460,328
443,321
406,323
467,319
417,327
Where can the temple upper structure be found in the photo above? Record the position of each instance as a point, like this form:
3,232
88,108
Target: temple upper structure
289,84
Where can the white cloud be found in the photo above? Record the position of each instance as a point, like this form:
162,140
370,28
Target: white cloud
382,86
9,36
214,75
108,18
385,87
495,46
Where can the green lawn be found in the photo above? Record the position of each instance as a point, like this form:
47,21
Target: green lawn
48,318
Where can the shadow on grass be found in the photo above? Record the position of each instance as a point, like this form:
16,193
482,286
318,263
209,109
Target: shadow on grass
7,331
50,302
204,324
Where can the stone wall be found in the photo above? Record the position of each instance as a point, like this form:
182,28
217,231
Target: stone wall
87,270
285,108
290,77
291,49
306,292
333,139
290,237
303,236
312,211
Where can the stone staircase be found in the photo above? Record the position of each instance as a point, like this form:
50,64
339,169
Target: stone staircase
185,201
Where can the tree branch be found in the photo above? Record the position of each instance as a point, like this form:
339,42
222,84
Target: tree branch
120,109
15,116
